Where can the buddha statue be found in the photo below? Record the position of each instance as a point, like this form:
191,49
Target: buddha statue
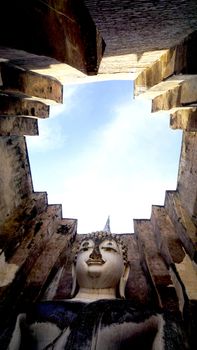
97,316
100,268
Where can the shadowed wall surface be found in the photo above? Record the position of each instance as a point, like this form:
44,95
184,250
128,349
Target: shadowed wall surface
139,26
149,38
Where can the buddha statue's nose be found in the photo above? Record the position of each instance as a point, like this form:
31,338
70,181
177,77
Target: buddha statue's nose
96,254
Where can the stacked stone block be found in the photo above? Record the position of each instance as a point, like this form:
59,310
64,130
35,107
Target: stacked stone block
36,243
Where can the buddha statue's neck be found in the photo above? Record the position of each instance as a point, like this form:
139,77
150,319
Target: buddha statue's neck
89,295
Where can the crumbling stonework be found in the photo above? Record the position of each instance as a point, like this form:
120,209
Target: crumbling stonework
60,29
142,26
37,244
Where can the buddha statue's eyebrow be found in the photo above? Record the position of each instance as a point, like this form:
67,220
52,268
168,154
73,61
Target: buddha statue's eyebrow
98,237
85,244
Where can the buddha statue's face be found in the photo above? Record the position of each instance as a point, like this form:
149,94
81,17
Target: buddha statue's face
99,263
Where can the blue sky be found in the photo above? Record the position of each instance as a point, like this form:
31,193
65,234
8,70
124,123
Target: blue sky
103,153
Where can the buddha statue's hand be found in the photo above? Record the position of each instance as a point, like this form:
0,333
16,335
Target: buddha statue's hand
59,342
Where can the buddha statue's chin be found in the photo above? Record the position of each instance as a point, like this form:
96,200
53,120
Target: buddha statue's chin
94,272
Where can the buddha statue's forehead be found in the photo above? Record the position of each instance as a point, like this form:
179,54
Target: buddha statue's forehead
98,237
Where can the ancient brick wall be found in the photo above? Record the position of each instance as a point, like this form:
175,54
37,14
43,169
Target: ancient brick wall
140,26
36,243
16,183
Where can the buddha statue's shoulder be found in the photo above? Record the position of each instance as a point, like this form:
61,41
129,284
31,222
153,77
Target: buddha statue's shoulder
60,312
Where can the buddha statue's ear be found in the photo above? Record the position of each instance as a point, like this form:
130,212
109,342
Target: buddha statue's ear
123,280
74,281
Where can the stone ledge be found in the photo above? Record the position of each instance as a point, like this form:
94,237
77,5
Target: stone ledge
174,92
182,222
17,77
184,118
168,242
155,266
37,278
14,125
187,174
15,103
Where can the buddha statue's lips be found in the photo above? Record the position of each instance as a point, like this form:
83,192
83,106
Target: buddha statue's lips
95,262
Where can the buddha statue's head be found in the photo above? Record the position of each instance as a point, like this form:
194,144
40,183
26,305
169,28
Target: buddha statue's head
101,263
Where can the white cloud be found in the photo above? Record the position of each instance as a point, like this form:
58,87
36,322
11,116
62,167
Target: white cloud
68,101
51,135
50,138
121,170
114,175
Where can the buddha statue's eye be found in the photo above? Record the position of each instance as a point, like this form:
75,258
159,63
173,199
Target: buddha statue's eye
83,249
109,246
85,246
109,249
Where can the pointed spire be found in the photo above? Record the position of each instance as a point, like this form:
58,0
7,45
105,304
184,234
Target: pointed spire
107,225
